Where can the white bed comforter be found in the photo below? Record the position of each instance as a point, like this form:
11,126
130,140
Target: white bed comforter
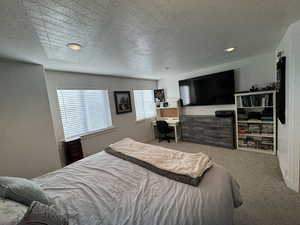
103,189
190,164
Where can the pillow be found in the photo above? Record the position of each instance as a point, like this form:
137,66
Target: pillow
22,190
40,214
11,213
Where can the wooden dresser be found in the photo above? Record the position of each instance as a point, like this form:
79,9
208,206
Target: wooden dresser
73,150
209,130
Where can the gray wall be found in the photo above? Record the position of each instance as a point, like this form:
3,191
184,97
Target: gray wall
125,124
255,70
27,141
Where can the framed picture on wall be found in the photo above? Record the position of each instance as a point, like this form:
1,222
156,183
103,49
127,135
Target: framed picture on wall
280,103
123,102
159,95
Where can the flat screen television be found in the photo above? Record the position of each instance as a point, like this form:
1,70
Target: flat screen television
213,89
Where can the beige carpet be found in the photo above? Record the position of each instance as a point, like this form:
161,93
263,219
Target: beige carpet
267,201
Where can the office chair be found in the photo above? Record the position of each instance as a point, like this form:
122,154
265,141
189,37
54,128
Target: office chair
163,130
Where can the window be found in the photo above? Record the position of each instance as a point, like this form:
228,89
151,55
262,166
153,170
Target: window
83,111
144,104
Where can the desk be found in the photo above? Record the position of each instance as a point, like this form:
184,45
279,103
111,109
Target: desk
172,123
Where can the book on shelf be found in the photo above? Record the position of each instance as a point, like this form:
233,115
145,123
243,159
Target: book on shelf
267,143
263,100
243,117
267,128
254,129
254,120
255,116
256,143
268,118
243,129
243,141
267,147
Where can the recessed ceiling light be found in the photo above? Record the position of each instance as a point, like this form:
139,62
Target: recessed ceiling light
74,46
230,49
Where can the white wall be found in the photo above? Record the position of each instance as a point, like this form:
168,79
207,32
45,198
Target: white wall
125,124
255,70
27,141
288,134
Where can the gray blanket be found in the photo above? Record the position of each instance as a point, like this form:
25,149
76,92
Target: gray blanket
40,214
104,189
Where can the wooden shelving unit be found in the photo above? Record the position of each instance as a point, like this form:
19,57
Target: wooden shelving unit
251,132
257,135
254,121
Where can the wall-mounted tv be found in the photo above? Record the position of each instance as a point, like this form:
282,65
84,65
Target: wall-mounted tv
213,89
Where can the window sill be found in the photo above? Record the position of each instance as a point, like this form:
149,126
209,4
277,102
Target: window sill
143,120
91,134
98,132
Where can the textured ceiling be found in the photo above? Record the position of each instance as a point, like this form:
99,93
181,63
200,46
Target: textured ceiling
58,22
141,38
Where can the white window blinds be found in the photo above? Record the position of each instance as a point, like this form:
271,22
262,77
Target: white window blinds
83,111
144,104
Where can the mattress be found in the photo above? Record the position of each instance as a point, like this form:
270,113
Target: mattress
104,189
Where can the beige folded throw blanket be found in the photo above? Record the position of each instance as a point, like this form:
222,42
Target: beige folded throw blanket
189,164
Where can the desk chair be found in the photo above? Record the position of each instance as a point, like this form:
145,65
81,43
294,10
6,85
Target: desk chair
163,130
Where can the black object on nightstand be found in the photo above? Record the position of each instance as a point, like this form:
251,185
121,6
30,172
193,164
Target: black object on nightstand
73,150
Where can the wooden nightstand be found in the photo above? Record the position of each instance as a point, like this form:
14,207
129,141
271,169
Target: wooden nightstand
73,150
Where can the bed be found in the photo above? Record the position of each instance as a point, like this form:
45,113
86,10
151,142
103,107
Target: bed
103,189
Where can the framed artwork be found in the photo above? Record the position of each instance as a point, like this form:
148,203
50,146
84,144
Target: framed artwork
159,94
123,102
280,98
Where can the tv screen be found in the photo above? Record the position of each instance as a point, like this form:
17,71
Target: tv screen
213,89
